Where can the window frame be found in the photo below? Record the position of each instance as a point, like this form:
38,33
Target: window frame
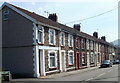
83,58
70,40
62,44
54,38
69,55
82,43
77,42
42,37
55,52
91,45
92,61
88,44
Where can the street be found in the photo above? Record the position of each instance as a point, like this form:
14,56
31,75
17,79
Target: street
102,74
99,74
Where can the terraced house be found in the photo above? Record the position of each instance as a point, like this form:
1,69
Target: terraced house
35,46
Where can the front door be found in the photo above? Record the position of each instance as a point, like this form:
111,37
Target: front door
41,63
78,60
63,61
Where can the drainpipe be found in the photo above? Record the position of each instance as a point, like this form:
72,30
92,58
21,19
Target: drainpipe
59,50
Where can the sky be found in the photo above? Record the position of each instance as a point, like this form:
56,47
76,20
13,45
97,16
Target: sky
76,10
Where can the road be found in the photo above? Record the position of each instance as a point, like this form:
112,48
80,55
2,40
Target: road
99,74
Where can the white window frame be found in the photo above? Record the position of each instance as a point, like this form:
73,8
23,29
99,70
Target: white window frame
39,30
88,44
82,43
83,58
69,57
77,42
91,45
54,40
55,59
62,38
92,58
69,39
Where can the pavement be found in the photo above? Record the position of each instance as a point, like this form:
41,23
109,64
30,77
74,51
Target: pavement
68,73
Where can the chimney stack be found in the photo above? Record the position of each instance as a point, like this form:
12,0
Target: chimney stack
77,27
103,38
95,34
53,17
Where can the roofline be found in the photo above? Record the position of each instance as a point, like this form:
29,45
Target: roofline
20,12
25,15
38,22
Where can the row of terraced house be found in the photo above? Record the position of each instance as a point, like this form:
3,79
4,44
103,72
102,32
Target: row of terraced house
35,46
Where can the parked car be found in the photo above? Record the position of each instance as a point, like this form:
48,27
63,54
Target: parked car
106,63
117,61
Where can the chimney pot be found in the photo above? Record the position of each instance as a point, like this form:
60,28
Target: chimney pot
95,34
77,27
53,17
103,38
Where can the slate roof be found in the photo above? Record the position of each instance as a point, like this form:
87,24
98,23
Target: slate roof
59,25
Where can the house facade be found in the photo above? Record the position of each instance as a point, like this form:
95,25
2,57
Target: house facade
35,46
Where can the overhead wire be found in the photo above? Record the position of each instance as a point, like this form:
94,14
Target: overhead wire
92,16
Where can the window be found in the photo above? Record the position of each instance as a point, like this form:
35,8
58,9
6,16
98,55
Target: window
82,43
70,40
92,58
40,35
83,58
77,42
52,37
99,48
71,58
87,44
62,39
52,60
98,58
5,15
91,44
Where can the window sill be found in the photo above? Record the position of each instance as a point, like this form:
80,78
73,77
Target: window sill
52,67
70,64
51,45
62,45
77,48
40,44
70,47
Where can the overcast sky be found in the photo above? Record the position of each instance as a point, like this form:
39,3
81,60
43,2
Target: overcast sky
73,10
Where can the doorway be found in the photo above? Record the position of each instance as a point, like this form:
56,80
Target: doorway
78,60
63,62
41,63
